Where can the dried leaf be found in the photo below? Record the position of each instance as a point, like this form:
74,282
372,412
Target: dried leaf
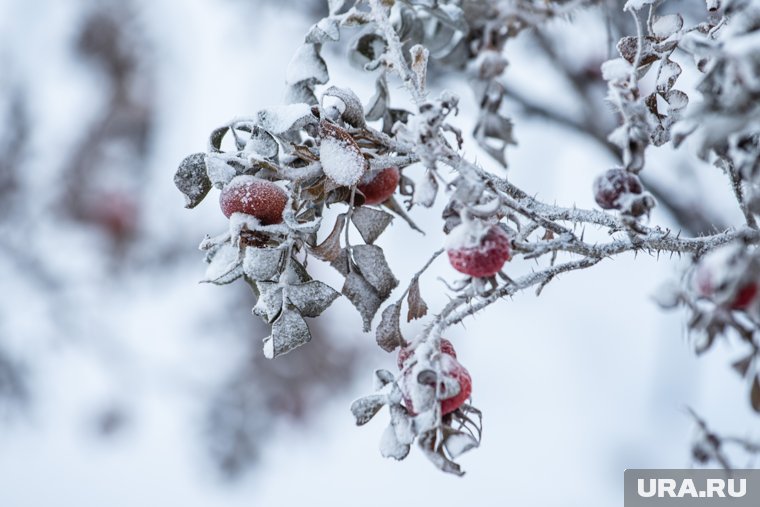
262,143
225,265
330,249
388,334
363,296
192,180
307,65
382,378
667,76
269,303
378,104
742,365
281,119
364,409
288,332
311,298
393,205
417,306
390,447
370,222
353,111
370,260
326,30
755,394
458,443
262,263
427,442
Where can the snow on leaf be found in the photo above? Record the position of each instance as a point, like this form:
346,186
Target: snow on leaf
388,334
382,378
667,76
326,30
191,179
390,447
288,332
280,119
269,304
224,266
219,171
262,143
417,306
364,409
617,69
329,249
262,263
677,100
458,443
311,298
370,222
363,296
307,65
426,190
637,4
352,111
665,26
371,262
342,160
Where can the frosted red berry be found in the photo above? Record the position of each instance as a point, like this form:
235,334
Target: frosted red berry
380,186
450,369
406,352
706,287
485,259
613,185
254,196
462,376
744,296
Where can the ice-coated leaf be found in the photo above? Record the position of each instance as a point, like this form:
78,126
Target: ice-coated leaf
364,409
378,104
618,69
677,100
342,160
262,263
363,296
262,143
281,119
403,424
427,442
388,334
426,190
629,46
755,394
420,55
390,447
288,332
458,443
370,222
393,205
665,26
269,304
307,65
667,76
192,180
329,249
382,378
340,263
352,111
224,266
326,30
219,171
371,262
311,298
417,306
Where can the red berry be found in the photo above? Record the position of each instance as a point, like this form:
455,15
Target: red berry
462,376
253,196
381,186
406,352
450,369
116,212
484,259
744,296
614,184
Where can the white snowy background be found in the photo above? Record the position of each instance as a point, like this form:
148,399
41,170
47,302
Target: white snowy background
576,385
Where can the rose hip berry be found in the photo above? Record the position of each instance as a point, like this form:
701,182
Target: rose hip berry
614,184
380,186
405,353
254,196
450,370
708,284
485,258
